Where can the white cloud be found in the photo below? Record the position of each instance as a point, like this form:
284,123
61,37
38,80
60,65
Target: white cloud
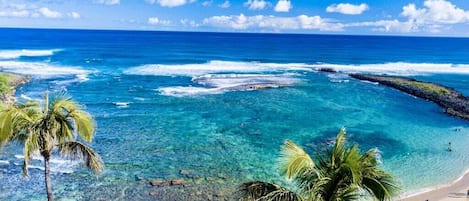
169,3
283,6
436,12
436,15
225,4
14,13
107,2
48,13
348,9
256,4
156,21
269,22
207,3
190,23
74,15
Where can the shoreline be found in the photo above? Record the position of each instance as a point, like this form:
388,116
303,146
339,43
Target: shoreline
16,80
453,190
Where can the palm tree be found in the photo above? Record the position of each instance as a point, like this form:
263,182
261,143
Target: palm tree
53,127
341,174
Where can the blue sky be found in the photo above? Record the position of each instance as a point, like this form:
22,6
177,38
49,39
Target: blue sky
376,17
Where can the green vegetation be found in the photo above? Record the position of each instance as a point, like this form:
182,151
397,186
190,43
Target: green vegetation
53,127
5,80
342,173
429,87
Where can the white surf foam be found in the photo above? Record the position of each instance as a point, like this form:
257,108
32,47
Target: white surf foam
220,83
122,104
57,164
3,162
43,70
400,68
13,54
213,67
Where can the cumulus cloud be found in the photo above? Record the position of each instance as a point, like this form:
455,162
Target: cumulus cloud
269,22
436,15
225,4
207,3
14,13
283,6
189,23
169,3
256,4
436,12
347,9
48,13
107,2
74,15
156,21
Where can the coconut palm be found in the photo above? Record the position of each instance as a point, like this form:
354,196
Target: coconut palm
54,127
341,174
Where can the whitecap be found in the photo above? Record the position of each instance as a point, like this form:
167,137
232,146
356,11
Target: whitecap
57,164
214,67
13,54
400,68
217,67
43,70
122,104
3,162
220,83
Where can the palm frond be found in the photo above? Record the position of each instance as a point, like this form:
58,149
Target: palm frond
31,146
294,160
15,119
351,164
263,191
382,187
339,147
75,149
84,124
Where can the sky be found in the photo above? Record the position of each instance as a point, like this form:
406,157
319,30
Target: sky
362,17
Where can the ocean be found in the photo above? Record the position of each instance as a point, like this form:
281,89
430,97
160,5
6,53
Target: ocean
168,103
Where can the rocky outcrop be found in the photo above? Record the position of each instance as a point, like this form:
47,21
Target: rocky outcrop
16,80
453,102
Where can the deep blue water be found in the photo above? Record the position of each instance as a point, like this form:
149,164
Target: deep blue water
186,106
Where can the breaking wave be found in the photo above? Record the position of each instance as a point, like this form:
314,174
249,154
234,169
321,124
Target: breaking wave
57,164
14,54
43,70
217,77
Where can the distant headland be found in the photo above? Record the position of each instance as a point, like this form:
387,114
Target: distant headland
8,84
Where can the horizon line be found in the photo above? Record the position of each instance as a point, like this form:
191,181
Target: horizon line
233,32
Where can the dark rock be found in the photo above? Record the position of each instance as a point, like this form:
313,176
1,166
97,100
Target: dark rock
176,182
160,183
327,70
453,102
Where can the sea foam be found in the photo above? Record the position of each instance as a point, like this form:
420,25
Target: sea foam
222,76
220,83
13,54
59,165
395,68
214,67
43,70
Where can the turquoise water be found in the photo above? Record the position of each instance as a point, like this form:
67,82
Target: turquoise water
166,102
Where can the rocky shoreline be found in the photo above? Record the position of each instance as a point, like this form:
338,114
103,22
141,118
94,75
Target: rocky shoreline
453,102
15,81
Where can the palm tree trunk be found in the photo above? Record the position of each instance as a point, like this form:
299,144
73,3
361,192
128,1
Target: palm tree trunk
47,178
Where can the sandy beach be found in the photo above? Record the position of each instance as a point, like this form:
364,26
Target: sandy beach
454,191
